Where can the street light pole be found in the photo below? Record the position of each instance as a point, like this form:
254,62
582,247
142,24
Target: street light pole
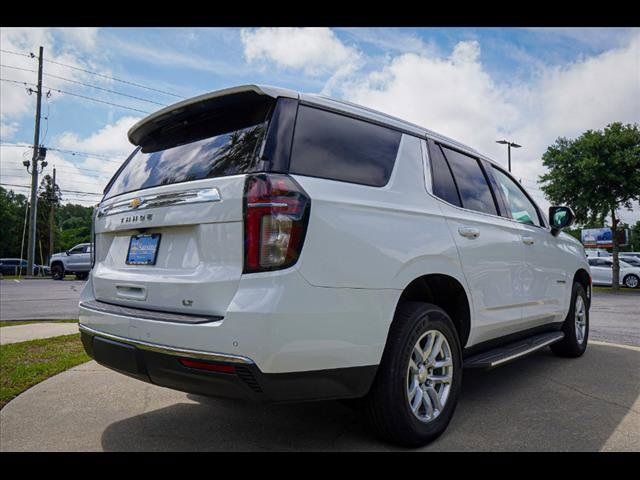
509,145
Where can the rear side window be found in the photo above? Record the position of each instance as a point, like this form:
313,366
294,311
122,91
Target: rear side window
471,181
443,185
337,147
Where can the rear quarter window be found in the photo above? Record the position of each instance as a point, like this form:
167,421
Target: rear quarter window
337,147
471,181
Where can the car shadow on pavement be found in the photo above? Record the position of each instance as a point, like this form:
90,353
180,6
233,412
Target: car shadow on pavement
540,403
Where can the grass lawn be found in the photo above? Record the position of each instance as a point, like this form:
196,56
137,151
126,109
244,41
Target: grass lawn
25,364
623,290
13,323
22,277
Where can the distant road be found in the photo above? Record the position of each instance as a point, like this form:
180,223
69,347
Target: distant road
39,299
614,318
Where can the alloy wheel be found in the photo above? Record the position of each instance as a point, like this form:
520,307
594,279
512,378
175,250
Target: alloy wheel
580,316
429,376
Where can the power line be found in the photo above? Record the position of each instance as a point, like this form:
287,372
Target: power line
115,79
128,82
62,189
96,100
93,99
70,152
18,68
15,53
87,85
105,89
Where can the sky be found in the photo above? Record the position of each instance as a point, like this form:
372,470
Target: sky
477,85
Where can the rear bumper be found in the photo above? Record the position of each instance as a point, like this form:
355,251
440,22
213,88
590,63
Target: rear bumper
160,365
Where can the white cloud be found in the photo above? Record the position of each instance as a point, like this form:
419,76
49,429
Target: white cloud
109,140
315,51
81,38
7,130
74,174
15,101
456,96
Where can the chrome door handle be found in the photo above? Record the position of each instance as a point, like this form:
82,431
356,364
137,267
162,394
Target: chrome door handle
469,232
528,240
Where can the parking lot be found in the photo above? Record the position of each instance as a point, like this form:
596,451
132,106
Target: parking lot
614,318
39,299
540,403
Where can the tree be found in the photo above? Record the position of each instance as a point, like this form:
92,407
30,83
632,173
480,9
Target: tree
595,174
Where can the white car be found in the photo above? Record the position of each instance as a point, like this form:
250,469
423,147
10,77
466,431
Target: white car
602,272
599,252
279,246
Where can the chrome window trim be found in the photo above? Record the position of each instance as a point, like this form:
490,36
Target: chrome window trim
426,166
199,195
165,349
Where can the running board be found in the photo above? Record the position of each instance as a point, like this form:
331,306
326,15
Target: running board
512,351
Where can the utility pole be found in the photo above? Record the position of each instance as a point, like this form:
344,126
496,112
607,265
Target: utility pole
509,145
51,214
31,246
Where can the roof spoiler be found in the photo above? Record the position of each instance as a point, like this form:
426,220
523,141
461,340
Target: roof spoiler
211,100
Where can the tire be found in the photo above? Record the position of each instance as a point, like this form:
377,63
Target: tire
574,343
386,406
631,281
82,276
57,272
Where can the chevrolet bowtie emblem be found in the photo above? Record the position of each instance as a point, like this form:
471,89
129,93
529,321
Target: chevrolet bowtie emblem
135,202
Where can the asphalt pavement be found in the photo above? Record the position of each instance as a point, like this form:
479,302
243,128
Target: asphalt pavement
540,403
39,299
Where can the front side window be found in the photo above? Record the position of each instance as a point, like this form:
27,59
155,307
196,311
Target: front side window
471,181
337,147
521,208
76,250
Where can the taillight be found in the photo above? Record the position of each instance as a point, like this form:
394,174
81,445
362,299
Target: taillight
276,214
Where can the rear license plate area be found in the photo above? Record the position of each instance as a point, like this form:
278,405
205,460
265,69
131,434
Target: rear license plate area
143,249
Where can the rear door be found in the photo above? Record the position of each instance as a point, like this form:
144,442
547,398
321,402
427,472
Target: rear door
489,246
169,234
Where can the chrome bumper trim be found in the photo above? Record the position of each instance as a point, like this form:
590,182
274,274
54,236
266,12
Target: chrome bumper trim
178,352
145,314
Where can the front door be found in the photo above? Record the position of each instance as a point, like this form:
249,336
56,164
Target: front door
489,246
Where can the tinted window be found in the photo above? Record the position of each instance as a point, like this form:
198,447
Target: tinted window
593,261
443,184
471,182
230,153
336,147
522,209
76,250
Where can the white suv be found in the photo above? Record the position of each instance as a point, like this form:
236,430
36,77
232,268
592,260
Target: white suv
281,246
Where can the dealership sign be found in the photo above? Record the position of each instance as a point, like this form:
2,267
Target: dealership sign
602,237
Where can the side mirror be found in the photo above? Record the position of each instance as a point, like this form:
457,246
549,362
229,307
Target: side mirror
559,218
67,252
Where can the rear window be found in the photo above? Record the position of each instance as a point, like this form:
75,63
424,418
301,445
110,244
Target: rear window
337,147
230,153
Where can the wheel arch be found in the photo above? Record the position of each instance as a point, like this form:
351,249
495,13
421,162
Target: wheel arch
446,292
583,278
